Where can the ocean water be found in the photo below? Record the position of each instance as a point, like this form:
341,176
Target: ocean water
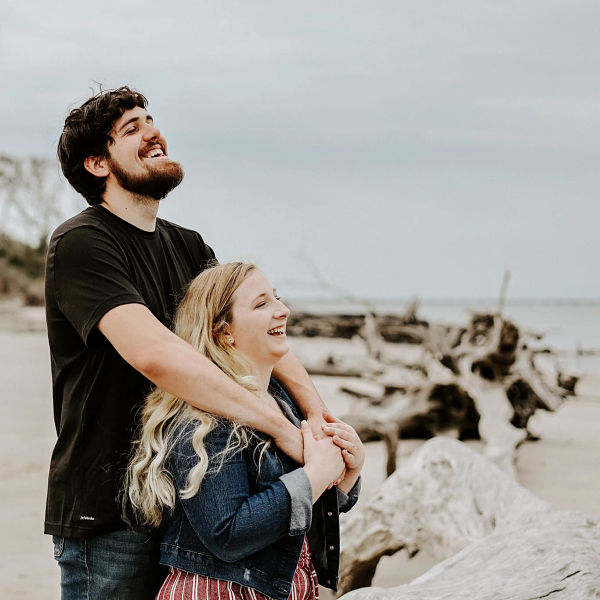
572,328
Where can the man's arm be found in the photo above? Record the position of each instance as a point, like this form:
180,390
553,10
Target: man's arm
293,376
176,367
290,372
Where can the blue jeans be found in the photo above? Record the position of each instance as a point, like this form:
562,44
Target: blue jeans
122,565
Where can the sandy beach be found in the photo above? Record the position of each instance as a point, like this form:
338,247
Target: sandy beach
562,467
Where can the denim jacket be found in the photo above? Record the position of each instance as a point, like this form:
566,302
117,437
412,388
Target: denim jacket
247,525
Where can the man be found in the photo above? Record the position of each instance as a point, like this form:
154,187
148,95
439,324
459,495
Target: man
114,274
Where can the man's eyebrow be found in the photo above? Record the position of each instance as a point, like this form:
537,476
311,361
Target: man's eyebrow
133,120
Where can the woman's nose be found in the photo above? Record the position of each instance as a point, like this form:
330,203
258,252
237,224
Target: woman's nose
282,312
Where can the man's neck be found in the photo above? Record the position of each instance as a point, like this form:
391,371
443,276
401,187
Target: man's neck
140,211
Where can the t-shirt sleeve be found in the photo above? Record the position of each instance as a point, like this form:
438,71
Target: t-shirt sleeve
91,277
206,254
213,260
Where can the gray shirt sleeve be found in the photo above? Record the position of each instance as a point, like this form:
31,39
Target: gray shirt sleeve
300,491
347,501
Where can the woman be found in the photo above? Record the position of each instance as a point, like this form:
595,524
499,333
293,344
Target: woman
236,514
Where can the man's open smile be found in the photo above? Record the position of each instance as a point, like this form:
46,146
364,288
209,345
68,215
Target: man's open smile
153,151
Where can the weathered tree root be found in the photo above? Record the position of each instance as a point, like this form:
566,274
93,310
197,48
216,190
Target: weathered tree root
498,540
483,381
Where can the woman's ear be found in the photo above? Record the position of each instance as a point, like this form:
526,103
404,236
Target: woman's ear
96,165
221,333
227,334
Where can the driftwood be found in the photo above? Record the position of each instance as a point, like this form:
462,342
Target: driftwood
392,328
337,326
339,365
495,539
485,380
495,365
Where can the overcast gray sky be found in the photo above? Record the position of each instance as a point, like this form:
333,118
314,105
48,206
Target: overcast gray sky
406,148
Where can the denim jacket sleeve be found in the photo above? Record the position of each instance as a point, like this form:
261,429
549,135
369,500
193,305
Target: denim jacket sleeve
230,521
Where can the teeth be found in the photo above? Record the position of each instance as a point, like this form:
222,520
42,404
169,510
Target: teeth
154,153
280,329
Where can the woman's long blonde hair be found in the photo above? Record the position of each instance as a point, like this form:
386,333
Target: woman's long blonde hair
202,320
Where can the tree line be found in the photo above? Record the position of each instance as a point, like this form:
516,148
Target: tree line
32,202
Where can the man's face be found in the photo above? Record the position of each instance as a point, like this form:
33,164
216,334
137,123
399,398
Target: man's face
138,157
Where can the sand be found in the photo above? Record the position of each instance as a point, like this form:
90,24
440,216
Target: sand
562,468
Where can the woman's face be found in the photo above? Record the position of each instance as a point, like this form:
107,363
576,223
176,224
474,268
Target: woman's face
258,320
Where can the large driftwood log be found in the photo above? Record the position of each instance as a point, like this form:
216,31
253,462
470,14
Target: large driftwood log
499,541
392,328
482,381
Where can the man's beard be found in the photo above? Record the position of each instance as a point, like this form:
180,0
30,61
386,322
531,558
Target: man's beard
156,183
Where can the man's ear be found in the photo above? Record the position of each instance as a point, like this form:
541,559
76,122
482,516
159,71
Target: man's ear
96,165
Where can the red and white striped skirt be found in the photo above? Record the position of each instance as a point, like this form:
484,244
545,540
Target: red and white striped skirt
181,585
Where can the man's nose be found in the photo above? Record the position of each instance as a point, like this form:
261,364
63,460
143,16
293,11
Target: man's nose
151,132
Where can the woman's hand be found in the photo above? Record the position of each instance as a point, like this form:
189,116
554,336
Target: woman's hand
317,421
353,452
323,462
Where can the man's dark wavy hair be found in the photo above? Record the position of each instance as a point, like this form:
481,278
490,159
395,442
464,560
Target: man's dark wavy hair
87,133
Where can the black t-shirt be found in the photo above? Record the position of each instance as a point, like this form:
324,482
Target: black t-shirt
96,261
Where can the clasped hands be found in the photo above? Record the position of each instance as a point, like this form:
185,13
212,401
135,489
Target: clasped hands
337,447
